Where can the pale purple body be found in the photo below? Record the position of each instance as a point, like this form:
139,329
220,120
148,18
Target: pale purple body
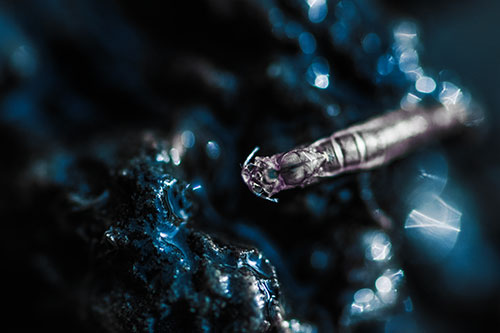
360,147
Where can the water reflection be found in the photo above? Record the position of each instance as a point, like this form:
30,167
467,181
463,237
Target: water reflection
387,285
332,110
408,60
405,34
213,150
188,139
321,81
163,157
318,74
365,300
423,174
318,10
368,303
340,32
451,95
293,29
425,84
404,48
409,101
371,43
383,284
346,10
307,42
385,64
434,224
378,246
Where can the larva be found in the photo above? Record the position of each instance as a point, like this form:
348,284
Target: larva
364,146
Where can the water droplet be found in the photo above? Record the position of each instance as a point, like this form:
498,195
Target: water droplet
383,284
408,61
321,81
340,32
213,150
378,246
364,295
405,34
425,85
163,157
385,64
433,226
450,94
175,155
317,10
293,29
371,43
319,259
187,139
409,101
276,18
333,110
307,42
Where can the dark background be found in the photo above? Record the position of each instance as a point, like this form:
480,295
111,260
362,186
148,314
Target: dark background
96,69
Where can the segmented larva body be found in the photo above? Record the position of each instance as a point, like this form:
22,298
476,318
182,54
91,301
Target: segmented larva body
360,147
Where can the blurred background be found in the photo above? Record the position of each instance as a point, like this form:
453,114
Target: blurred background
411,247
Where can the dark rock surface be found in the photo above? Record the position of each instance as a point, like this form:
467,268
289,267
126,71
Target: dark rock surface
123,126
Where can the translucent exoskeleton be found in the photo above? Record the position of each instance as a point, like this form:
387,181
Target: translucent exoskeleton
360,147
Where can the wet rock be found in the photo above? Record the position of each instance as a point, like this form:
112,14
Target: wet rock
149,268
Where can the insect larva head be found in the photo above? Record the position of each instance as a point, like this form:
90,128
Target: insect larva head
261,177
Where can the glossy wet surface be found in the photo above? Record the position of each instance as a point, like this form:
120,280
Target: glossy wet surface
123,131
